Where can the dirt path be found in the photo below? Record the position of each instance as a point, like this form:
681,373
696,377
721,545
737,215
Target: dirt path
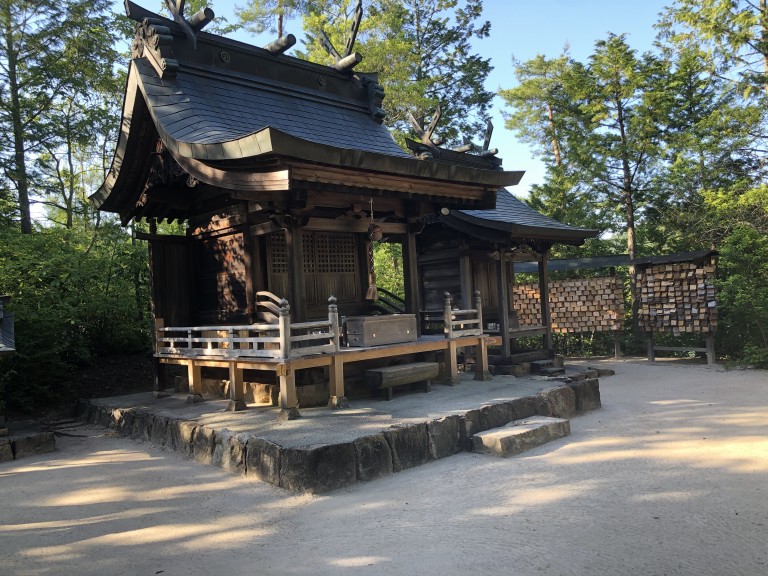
669,478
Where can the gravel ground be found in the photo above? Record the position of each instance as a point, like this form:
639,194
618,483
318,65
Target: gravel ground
669,478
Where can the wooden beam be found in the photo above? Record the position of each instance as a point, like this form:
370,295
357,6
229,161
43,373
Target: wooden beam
546,318
387,182
244,181
296,284
348,225
502,292
411,276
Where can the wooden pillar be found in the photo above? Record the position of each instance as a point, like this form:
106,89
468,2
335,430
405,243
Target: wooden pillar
338,397
159,372
502,290
236,384
289,402
411,276
296,283
481,367
194,374
465,273
711,359
546,319
617,344
451,365
651,353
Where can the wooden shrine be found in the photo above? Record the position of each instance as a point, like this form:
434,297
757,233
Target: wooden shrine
283,175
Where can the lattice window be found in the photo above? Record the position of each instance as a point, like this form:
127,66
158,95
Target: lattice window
335,253
308,246
278,252
330,266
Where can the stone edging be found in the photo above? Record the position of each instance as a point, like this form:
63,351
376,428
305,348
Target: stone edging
324,467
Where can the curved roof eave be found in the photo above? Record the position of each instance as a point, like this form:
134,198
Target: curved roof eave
516,218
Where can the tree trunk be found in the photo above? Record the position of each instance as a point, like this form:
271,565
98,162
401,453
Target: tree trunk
18,172
763,19
555,144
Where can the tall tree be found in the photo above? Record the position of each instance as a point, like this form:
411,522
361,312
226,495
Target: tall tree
737,30
47,50
422,51
258,16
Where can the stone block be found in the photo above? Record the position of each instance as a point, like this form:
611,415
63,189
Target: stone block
524,407
229,452
495,415
6,451
124,422
40,443
587,395
521,435
81,409
445,436
182,434
159,430
142,425
214,388
262,459
319,468
105,417
374,457
93,414
603,372
470,427
203,442
259,393
558,402
522,369
313,394
409,445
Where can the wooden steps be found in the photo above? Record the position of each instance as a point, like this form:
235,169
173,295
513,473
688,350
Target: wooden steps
521,435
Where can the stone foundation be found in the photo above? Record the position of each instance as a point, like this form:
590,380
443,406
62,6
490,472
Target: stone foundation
326,467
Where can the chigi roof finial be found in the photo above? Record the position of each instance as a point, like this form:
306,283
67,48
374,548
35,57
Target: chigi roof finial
349,59
197,22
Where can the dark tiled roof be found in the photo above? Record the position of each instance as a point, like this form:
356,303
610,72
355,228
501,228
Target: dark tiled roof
517,218
198,107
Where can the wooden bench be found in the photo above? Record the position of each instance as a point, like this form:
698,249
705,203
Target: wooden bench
390,377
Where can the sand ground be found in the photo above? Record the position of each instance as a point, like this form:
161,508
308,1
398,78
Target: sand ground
669,478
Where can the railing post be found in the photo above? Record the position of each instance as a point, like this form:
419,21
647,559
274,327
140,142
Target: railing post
231,341
189,338
479,308
285,329
447,316
333,318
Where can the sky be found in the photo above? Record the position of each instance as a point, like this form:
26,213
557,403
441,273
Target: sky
524,28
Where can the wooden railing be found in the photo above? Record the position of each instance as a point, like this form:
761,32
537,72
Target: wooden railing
283,340
459,323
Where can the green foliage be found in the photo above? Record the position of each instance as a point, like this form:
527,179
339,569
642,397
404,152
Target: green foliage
75,295
388,263
743,294
421,51
56,56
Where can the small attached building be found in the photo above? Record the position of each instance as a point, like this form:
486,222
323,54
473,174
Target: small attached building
476,250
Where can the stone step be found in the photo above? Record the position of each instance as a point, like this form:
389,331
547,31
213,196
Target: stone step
538,365
521,435
551,371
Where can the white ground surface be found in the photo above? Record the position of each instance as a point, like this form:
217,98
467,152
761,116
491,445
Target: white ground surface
669,478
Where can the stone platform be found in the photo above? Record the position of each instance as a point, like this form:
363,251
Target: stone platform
328,449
